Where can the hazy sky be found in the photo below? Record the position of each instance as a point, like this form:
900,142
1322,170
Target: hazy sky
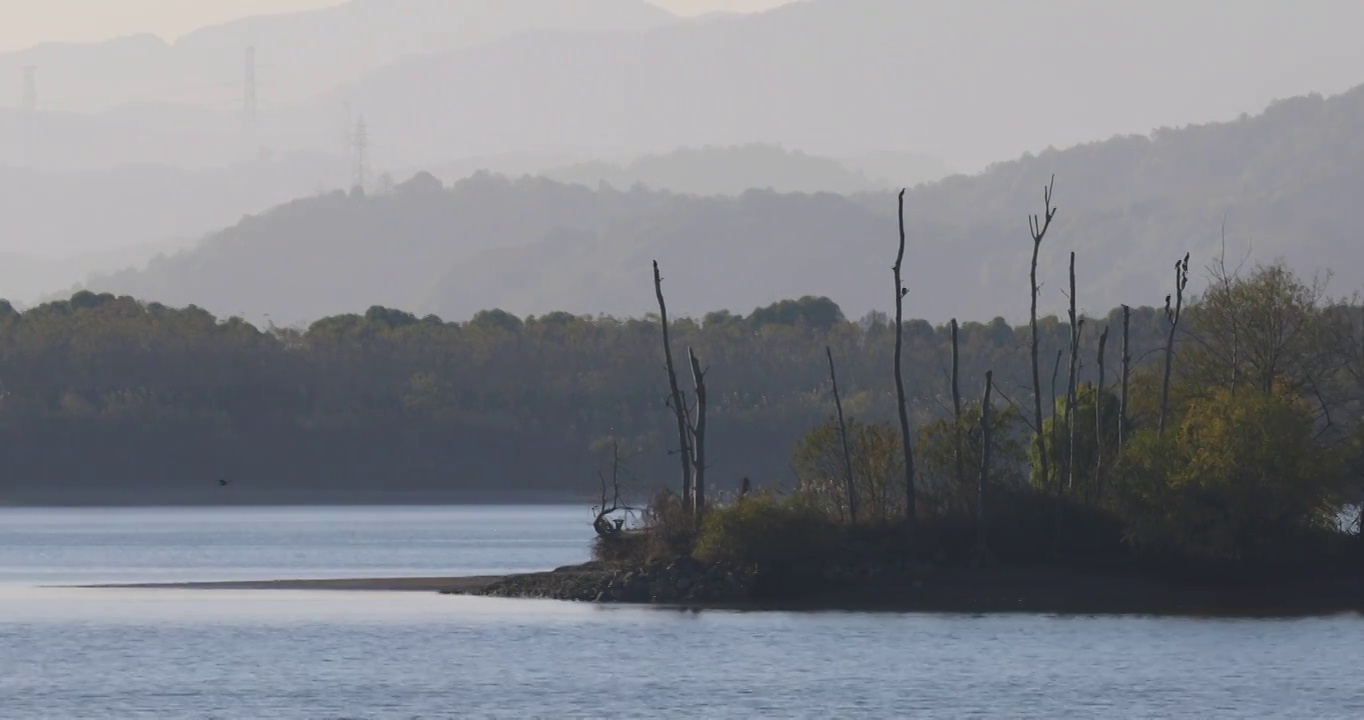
29,22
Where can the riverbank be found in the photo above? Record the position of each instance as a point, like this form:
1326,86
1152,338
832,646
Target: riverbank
1000,590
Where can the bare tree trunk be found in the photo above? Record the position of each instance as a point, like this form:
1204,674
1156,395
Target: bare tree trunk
699,438
1070,382
1056,423
1126,371
1172,317
843,437
956,410
911,511
982,517
602,524
679,408
1038,229
1099,420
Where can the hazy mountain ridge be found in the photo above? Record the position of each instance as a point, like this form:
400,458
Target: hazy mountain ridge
300,54
1128,207
969,82
875,84
71,223
735,169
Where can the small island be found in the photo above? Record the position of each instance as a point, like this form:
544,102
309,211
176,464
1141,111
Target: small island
1222,479
1202,456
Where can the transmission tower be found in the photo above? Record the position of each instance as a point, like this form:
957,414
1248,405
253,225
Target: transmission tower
360,154
249,89
30,108
30,88
346,126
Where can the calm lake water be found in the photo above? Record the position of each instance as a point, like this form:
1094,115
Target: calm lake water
73,653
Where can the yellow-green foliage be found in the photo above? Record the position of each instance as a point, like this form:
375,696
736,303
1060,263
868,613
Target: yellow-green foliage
878,469
766,532
1086,446
1243,474
935,453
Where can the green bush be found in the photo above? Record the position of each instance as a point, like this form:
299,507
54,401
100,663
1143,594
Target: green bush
768,533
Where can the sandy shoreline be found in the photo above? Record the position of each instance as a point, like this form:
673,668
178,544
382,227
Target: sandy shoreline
398,584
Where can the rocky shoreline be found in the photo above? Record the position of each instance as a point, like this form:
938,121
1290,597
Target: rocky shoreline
687,582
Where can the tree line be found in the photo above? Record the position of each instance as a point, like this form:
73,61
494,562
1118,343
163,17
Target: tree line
114,396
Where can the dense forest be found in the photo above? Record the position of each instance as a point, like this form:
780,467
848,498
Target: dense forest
111,399
1277,185
114,395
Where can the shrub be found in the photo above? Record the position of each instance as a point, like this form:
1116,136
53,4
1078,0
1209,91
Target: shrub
1242,479
768,534
668,532
878,470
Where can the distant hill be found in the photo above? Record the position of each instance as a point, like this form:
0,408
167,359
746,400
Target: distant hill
1286,181
62,225
299,54
735,169
970,81
65,213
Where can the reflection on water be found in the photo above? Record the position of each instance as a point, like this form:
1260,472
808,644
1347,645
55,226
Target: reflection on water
133,653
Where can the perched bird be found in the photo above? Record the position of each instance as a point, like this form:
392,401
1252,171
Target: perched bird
904,292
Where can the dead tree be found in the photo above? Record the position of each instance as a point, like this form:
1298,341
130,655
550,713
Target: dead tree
604,524
843,437
1055,424
1126,372
698,377
1099,419
956,410
678,406
1071,389
1172,316
1038,229
900,292
1056,443
981,486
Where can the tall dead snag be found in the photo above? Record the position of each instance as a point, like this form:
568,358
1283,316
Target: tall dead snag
679,408
1038,228
1126,372
1056,443
1071,389
1172,318
605,524
911,511
1099,419
1055,425
956,410
698,378
843,437
982,484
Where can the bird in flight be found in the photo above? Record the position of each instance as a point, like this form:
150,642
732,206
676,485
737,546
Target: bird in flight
223,483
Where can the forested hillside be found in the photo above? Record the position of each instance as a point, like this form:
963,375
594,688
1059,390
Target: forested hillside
107,399
1283,182
734,169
